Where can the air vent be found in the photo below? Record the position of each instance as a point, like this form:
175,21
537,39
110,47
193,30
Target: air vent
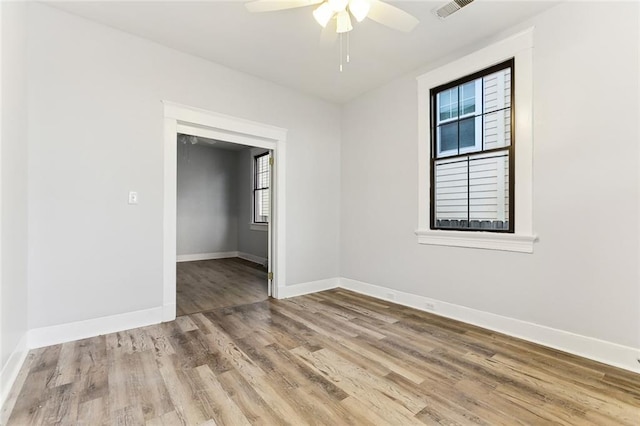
452,7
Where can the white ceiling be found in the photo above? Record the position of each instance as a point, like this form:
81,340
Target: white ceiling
284,47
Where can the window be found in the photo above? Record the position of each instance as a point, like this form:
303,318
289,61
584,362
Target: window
475,156
261,180
472,144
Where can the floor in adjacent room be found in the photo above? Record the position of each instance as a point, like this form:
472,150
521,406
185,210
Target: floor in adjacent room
212,284
329,358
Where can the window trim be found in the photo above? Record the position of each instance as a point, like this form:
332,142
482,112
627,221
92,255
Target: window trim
519,47
435,141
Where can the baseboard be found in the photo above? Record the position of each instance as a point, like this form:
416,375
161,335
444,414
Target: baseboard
598,350
307,288
169,312
53,335
11,368
221,255
252,258
206,256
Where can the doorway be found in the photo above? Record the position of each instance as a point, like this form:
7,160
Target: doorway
223,210
210,125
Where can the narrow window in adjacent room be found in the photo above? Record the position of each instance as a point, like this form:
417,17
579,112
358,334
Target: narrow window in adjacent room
261,181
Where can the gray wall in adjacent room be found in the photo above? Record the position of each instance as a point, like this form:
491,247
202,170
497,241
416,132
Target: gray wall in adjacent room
215,191
207,213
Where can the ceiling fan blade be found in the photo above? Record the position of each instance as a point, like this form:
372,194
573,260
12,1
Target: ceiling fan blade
274,5
328,36
392,16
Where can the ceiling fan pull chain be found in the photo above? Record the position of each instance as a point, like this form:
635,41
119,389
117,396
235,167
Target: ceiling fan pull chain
340,52
348,49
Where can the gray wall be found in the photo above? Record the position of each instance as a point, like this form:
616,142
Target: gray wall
207,215
215,191
96,132
249,241
583,276
13,185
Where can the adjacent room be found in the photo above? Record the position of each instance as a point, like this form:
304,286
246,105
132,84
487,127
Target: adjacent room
221,246
336,212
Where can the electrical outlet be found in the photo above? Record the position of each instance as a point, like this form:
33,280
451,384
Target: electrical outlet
430,306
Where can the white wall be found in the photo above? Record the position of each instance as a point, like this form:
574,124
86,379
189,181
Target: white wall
207,202
13,190
251,241
96,132
583,276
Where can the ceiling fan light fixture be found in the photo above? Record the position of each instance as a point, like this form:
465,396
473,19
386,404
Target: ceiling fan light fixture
343,21
323,14
359,9
338,5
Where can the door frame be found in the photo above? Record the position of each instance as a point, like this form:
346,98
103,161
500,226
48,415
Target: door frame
198,122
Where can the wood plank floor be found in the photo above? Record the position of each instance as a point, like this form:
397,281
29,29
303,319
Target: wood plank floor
212,284
332,358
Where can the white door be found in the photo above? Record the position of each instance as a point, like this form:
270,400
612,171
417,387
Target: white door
270,229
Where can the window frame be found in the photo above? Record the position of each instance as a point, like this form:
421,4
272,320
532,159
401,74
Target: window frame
254,214
437,154
520,47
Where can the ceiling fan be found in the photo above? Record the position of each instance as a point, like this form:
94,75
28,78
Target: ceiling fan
341,11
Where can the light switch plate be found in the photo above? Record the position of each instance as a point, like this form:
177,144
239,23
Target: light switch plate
133,197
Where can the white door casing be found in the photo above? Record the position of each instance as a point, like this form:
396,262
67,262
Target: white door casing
198,122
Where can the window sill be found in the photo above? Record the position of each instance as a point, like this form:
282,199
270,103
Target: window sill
482,240
259,227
